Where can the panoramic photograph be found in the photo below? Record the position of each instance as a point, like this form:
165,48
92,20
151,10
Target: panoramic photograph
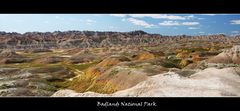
120,55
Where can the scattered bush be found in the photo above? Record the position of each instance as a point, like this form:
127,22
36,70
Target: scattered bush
17,60
185,73
171,63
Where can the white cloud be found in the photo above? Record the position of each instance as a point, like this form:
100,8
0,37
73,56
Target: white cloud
235,32
193,28
118,15
140,22
89,21
73,19
201,18
169,23
190,17
97,15
46,22
156,16
235,22
209,14
112,27
222,33
159,16
57,17
190,23
175,23
124,20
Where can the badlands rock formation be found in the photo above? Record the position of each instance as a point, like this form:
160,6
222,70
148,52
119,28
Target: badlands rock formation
205,83
86,39
228,56
7,53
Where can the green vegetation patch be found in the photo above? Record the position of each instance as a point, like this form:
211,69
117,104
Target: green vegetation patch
185,73
48,69
17,60
113,72
81,67
171,63
198,49
60,84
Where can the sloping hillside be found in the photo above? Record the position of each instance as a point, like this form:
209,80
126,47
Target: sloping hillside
208,82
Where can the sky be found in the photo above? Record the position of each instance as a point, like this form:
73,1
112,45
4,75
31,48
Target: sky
165,24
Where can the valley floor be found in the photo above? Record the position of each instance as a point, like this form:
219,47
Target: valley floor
167,70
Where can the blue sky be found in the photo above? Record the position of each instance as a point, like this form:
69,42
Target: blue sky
165,24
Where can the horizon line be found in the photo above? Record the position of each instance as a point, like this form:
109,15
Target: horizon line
115,32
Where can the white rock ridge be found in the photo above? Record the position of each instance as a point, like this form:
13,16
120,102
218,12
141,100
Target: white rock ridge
228,56
210,82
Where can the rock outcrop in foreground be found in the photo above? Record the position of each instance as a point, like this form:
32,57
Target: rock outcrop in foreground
205,83
228,56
